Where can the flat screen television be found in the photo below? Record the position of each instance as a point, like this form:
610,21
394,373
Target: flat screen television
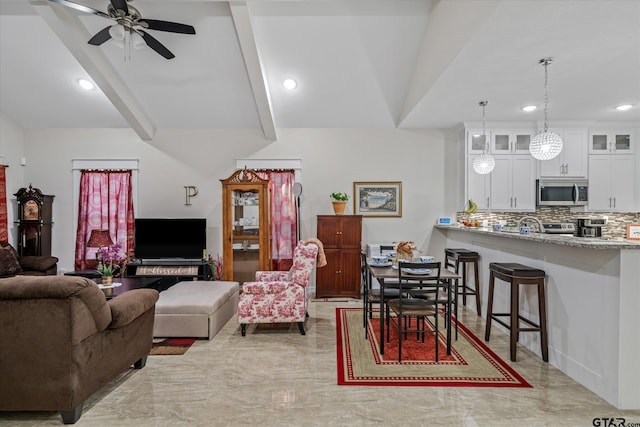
157,238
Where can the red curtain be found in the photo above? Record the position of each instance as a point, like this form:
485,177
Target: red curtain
4,230
284,218
106,203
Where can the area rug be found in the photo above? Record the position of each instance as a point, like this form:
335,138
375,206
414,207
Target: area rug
471,363
170,346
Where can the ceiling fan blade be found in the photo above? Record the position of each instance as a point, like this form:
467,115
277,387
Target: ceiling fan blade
81,8
156,45
120,5
172,27
100,37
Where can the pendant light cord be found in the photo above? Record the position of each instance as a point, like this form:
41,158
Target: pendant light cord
546,62
484,133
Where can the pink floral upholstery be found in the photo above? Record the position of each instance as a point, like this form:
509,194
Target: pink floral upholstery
279,296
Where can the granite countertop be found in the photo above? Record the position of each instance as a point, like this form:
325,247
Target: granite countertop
556,239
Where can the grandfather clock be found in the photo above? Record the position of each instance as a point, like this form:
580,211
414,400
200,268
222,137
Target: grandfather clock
34,222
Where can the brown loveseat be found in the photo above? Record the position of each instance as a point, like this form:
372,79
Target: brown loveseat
61,341
11,264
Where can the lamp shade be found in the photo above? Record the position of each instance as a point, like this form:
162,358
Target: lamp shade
545,145
99,238
484,164
117,32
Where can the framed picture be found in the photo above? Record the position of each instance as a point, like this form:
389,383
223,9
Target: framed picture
633,231
379,199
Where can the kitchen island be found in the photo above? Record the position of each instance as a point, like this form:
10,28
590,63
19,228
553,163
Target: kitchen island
593,302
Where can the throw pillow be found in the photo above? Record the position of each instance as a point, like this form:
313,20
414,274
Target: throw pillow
9,264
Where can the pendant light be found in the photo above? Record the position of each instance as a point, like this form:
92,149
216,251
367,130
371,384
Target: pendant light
484,163
545,145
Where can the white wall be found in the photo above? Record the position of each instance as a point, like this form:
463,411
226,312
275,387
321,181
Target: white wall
11,151
332,159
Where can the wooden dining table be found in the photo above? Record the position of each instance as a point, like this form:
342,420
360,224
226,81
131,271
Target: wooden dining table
447,277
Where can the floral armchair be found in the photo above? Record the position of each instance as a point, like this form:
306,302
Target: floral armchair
279,296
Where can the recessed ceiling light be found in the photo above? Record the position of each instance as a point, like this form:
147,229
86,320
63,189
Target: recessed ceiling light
529,108
86,84
289,84
624,107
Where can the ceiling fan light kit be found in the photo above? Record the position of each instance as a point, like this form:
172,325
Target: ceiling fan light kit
546,145
130,22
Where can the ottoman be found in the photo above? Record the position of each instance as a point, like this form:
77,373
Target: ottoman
197,309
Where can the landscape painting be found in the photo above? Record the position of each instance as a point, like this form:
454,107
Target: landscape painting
381,199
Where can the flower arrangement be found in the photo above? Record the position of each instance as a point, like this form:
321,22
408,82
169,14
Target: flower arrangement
339,197
111,259
216,267
405,250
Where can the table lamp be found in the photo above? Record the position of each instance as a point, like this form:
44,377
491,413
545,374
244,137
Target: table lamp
99,239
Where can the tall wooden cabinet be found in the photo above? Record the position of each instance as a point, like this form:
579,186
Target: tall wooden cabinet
341,238
246,226
34,222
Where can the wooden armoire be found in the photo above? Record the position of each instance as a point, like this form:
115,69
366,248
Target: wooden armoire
341,237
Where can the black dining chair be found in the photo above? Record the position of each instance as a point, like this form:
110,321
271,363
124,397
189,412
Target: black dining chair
370,296
419,299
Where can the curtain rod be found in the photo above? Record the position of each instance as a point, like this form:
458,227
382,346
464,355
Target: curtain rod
274,170
105,170
5,166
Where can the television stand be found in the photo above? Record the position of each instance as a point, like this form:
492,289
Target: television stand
169,261
178,268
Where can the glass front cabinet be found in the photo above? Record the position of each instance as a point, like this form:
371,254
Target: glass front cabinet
246,226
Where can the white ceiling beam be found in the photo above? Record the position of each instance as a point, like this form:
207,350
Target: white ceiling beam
449,28
74,36
255,70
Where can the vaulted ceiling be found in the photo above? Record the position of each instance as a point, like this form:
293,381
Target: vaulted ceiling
358,64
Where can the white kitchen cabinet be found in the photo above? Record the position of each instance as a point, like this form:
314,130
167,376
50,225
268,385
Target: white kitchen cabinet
513,183
611,183
478,186
476,141
572,162
510,141
611,142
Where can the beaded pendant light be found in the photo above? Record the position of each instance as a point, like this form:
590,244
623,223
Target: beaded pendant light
545,145
484,163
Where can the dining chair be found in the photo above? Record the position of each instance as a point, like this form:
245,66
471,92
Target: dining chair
386,249
370,296
418,299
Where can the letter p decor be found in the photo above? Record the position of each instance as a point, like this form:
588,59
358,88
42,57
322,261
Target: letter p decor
189,192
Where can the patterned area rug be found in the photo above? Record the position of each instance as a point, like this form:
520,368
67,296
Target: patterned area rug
170,346
471,363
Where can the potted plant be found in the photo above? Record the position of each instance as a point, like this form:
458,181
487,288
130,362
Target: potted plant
110,263
339,201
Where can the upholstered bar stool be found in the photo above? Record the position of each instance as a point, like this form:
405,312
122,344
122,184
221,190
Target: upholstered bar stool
516,275
453,258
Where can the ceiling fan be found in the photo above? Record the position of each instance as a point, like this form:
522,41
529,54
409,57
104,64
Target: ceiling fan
129,21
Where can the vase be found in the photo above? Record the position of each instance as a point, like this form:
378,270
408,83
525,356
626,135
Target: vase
339,207
107,280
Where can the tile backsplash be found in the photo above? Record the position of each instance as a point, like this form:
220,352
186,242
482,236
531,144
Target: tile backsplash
616,225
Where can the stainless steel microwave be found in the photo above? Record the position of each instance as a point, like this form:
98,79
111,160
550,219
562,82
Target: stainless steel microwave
562,192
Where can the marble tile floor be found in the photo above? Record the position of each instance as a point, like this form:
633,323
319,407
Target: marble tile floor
277,377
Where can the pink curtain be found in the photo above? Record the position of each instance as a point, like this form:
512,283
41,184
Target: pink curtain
106,203
4,230
284,221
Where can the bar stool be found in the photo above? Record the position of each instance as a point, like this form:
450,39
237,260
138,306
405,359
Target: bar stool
516,275
453,258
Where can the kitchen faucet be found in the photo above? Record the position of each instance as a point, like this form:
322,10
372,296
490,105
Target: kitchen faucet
533,219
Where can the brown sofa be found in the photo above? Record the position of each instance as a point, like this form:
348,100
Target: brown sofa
12,264
61,341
